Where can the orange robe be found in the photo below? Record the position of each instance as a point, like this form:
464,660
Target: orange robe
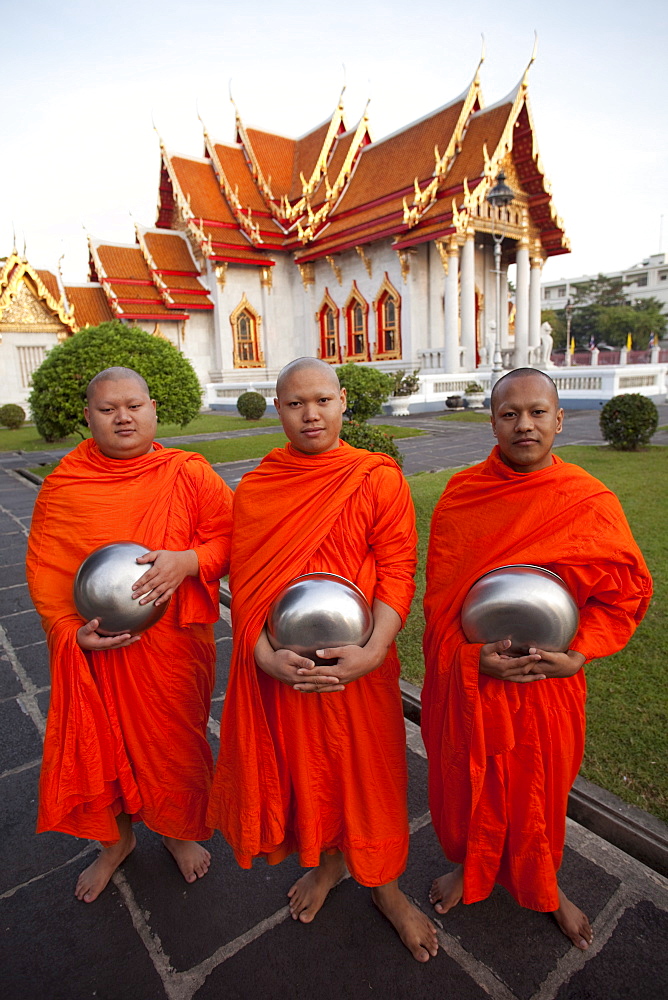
316,772
126,730
503,756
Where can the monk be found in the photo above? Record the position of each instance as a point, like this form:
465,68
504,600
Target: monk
126,728
505,734
313,757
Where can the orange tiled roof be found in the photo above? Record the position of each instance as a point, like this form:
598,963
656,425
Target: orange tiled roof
275,155
233,162
90,305
133,292
170,251
197,180
51,282
307,151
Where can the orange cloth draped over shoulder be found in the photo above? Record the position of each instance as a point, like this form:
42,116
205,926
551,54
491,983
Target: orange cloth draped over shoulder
316,772
503,756
126,730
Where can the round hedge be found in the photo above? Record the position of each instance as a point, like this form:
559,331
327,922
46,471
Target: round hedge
628,421
12,415
59,384
367,389
371,438
251,405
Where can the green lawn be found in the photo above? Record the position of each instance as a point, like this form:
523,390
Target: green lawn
628,702
466,417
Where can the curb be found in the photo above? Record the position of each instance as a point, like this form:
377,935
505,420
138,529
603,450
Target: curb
632,830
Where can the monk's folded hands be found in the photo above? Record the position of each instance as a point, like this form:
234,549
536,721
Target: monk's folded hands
294,670
495,661
555,664
168,570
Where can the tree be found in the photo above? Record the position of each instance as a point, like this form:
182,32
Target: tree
603,311
367,389
59,384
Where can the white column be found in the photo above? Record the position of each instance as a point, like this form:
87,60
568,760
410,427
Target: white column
534,306
522,304
503,299
468,302
451,343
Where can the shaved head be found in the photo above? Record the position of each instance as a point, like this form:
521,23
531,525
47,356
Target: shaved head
300,365
521,373
116,374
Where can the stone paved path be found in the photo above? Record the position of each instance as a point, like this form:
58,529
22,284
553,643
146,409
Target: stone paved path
150,936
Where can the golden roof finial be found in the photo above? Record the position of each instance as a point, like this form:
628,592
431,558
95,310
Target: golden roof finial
525,78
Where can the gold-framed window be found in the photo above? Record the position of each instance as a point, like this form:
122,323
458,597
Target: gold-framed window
327,318
356,312
246,322
387,306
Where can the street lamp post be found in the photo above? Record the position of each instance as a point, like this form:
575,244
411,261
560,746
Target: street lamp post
499,196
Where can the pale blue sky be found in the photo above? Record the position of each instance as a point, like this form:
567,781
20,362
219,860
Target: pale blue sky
83,84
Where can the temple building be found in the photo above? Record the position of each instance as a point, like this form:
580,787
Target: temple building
331,245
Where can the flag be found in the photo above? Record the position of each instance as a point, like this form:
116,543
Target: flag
571,349
592,342
652,342
628,342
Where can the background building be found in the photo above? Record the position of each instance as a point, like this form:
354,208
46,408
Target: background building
330,245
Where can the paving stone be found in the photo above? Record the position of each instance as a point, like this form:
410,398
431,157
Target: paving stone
12,549
18,816
19,739
234,900
43,699
631,966
23,628
476,927
12,574
13,599
34,659
10,685
350,951
56,948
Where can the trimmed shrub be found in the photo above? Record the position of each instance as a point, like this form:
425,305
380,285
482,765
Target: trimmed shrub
59,384
367,389
629,421
251,405
12,415
371,438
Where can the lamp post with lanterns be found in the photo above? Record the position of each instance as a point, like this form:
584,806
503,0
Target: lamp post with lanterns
499,196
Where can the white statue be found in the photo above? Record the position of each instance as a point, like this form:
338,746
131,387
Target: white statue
546,345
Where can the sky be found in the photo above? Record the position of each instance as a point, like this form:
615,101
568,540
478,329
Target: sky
88,87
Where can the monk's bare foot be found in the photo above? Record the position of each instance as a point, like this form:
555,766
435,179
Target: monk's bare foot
310,891
447,890
574,923
96,877
414,928
193,859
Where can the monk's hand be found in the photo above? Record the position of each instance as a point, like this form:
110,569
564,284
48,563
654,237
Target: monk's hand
161,579
298,672
88,639
352,662
495,661
554,664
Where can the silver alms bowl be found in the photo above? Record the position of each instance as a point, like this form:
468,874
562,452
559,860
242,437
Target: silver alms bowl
103,590
319,610
527,604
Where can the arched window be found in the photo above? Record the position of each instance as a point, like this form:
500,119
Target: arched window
246,336
388,321
356,311
328,325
